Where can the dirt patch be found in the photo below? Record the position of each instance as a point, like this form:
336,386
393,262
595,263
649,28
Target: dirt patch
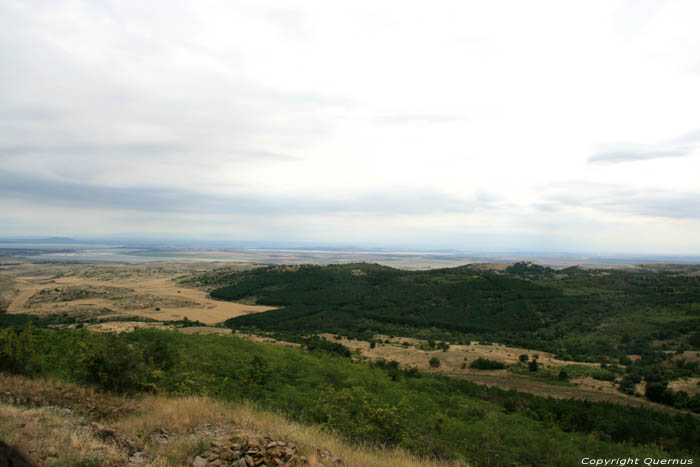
265,340
689,356
411,352
592,384
205,330
689,385
149,291
119,297
125,326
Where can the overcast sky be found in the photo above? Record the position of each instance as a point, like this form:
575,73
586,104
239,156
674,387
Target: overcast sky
559,125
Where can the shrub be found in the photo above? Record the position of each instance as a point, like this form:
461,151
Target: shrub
603,376
627,385
434,362
486,364
112,364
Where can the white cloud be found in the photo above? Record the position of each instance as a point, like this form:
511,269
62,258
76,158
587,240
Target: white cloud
353,104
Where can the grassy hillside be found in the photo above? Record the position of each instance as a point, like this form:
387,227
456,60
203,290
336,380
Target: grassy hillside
378,404
63,424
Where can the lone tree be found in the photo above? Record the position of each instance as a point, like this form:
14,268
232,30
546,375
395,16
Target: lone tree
434,362
532,366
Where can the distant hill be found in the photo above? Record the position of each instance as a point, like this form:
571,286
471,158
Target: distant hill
574,312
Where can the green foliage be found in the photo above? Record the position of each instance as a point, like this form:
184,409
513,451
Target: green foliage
434,362
113,364
316,343
429,414
359,414
486,364
627,384
694,339
628,311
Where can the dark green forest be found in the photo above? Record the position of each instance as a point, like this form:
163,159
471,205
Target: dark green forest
584,316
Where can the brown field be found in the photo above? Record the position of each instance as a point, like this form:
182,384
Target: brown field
452,359
147,290
689,385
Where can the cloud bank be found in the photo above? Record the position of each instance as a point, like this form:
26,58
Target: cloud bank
467,125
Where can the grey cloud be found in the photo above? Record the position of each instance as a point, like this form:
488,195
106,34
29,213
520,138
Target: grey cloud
87,148
145,199
620,200
681,146
136,149
138,108
615,157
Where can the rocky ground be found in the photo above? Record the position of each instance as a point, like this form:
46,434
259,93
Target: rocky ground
245,450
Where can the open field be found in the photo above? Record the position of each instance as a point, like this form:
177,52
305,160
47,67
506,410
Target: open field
148,291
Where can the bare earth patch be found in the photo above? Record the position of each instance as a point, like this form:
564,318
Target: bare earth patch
149,291
689,385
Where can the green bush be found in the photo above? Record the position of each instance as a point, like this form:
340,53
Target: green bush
486,364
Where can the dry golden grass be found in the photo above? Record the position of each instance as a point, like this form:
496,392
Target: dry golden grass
170,431
142,297
184,418
689,385
183,414
82,400
52,437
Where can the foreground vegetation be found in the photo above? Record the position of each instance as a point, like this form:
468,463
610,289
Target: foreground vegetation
364,403
169,430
